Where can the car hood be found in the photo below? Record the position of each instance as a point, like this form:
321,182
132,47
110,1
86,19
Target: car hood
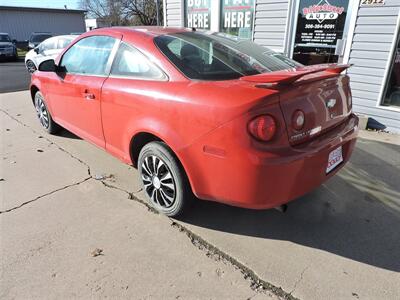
30,54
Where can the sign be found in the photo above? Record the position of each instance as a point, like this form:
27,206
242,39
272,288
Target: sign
372,2
198,13
322,12
320,22
237,17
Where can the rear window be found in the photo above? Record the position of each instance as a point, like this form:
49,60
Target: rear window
219,56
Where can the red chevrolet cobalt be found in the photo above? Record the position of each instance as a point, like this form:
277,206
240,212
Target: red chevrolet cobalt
201,113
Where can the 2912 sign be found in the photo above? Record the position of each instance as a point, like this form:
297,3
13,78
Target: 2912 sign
372,2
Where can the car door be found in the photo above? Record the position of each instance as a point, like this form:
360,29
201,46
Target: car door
128,94
75,97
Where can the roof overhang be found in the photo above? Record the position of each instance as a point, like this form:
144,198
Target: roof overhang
45,9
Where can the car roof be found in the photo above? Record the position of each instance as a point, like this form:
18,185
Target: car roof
145,30
4,33
65,36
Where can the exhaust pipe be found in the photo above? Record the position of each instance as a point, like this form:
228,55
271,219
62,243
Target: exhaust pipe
282,208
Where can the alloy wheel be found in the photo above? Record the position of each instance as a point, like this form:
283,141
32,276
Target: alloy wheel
158,181
42,112
30,66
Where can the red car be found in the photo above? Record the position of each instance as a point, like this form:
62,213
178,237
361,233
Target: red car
202,113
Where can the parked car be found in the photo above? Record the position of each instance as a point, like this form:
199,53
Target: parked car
202,113
8,50
47,49
36,38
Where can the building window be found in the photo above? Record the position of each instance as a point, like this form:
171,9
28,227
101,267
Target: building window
237,17
392,91
198,14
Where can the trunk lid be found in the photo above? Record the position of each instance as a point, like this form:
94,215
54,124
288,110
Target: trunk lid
326,103
320,92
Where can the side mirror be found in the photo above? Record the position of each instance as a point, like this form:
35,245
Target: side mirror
36,49
48,66
14,41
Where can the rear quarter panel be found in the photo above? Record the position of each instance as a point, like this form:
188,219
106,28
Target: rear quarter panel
179,113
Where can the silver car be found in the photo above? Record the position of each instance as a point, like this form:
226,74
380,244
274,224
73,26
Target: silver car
48,49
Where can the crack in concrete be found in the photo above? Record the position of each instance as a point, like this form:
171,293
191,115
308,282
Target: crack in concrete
299,280
44,195
256,283
48,140
131,196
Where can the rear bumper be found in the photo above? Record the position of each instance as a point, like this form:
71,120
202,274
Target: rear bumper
247,177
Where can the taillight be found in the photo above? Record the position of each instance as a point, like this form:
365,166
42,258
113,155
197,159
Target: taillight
263,128
298,120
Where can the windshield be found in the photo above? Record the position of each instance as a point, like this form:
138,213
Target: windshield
37,38
4,38
219,56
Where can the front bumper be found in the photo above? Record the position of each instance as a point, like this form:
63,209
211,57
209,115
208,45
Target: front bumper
243,176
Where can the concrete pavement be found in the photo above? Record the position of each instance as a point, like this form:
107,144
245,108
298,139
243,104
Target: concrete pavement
67,232
63,198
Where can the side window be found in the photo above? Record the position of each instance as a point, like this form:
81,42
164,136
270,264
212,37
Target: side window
130,62
88,56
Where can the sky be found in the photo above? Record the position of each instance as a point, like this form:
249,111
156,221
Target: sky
73,4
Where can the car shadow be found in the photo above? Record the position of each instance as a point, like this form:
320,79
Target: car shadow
356,214
68,134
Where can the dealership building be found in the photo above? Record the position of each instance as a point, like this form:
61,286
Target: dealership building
363,33
20,22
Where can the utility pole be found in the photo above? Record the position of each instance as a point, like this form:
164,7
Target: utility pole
158,12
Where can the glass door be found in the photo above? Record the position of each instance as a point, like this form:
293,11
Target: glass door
319,31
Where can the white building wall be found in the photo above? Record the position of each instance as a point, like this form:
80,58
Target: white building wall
270,23
174,13
370,52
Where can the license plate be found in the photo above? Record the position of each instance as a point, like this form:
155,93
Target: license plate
334,159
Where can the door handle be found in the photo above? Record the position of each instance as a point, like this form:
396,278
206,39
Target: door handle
88,96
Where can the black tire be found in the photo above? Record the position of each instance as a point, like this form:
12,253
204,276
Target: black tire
30,66
156,184
44,115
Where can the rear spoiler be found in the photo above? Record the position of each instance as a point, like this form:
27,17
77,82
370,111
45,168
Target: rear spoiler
291,75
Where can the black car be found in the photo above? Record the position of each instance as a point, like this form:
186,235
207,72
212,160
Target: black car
37,37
